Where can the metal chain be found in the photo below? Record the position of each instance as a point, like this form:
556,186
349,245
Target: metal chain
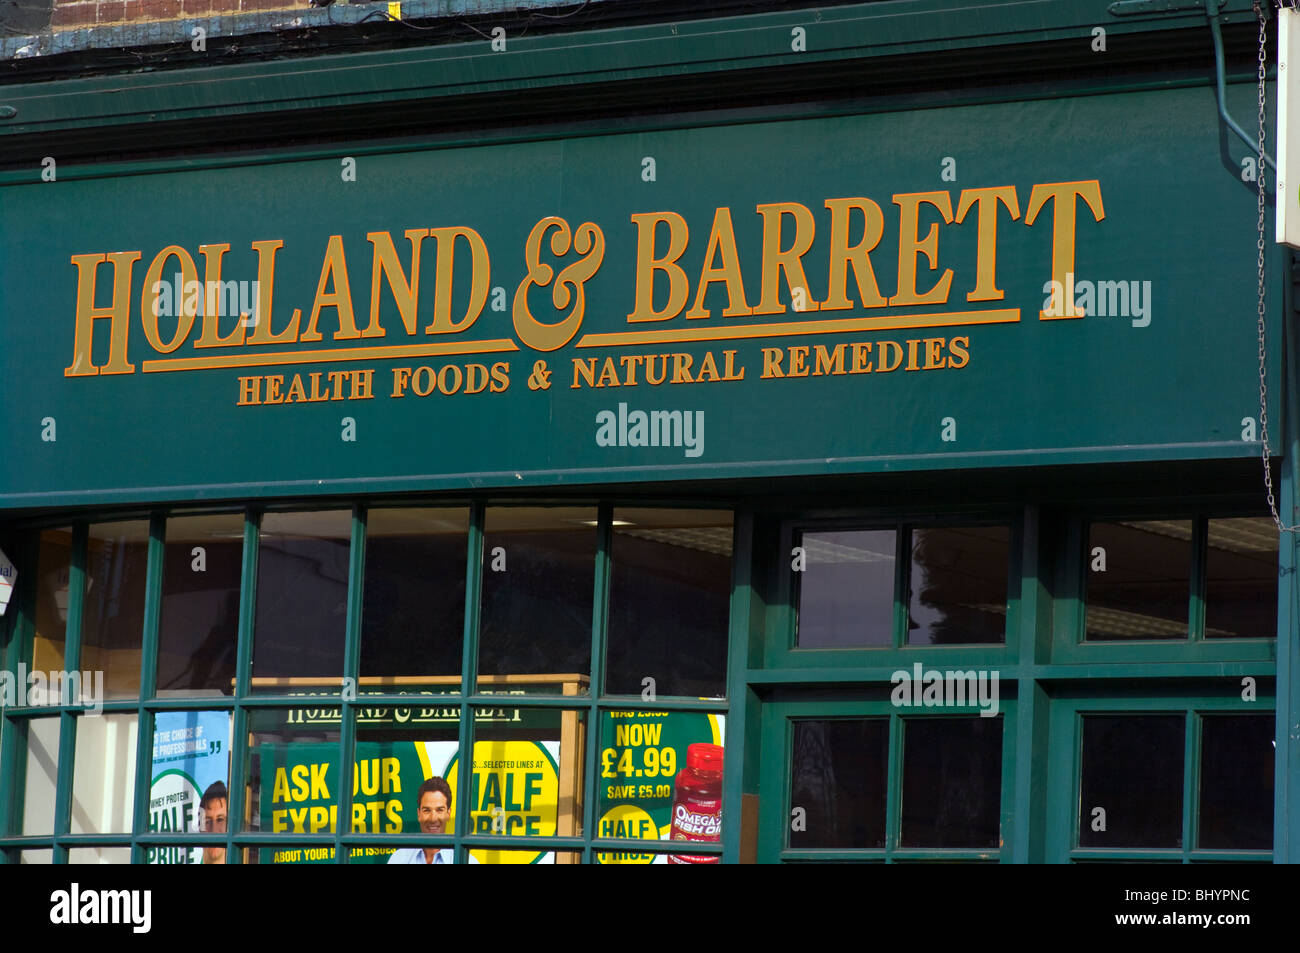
1260,304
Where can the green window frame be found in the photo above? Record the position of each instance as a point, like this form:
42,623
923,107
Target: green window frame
776,811
1065,772
18,628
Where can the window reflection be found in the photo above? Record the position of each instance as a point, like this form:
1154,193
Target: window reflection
958,590
845,589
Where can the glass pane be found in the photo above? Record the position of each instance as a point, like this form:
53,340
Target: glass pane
52,564
838,782
648,788
952,782
397,751
539,570
45,856
99,855
845,589
191,765
103,777
958,588
669,602
42,772
113,622
302,597
1138,580
1237,757
413,615
290,772
198,625
527,776
1241,571
1131,789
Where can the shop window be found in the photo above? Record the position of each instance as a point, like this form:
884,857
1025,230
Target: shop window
669,603
302,591
658,769
845,588
1138,577
291,772
189,790
851,590
534,624
113,613
1241,573
958,585
413,613
538,579
198,623
527,777
103,778
838,779
1134,783
1236,782
952,782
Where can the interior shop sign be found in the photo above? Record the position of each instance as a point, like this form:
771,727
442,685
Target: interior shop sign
778,298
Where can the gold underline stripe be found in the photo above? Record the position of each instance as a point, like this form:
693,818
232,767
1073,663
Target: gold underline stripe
784,328
320,357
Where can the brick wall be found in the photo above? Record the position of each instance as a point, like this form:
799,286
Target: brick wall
71,14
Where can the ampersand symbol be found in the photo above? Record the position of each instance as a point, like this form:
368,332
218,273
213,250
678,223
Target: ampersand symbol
540,378
589,241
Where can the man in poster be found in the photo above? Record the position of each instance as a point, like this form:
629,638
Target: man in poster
433,808
213,806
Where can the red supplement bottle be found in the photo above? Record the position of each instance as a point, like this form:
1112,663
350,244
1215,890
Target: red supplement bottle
697,803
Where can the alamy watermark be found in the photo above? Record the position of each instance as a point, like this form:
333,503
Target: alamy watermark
215,298
932,688
1103,299
39,689
654,428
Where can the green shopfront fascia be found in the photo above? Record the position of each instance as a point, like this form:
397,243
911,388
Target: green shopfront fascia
905,446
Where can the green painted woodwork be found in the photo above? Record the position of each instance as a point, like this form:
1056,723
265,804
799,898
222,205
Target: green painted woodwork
1030,391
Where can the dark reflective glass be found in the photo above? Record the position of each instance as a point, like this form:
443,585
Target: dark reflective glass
413,613
952,782
1131,785
1241,572
838,781
1138,579
52,574
198,625
1237,757
112,625
539,571
958,592
845,588
302,595
669,602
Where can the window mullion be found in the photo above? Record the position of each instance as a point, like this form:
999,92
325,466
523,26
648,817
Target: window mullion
148,677
1191,771
599,629
71,662
351,664
894,790
469,675
243,674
